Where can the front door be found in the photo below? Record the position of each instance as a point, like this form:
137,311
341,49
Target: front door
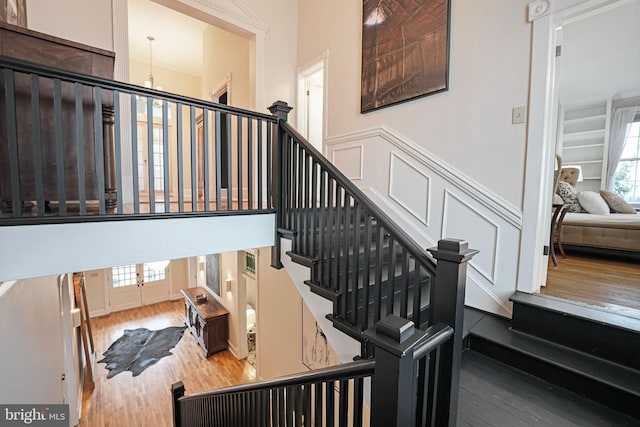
136,285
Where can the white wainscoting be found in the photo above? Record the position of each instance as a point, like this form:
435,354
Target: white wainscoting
349,161
434,200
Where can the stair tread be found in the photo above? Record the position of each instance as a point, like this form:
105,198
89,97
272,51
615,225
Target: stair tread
577,309
497,330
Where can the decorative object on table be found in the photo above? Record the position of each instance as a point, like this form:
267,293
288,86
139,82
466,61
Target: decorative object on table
405,51
14,12
139,349
201,297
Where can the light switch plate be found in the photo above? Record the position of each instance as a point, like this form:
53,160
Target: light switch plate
518,115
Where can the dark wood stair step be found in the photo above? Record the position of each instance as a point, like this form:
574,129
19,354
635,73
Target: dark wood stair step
611,384
581,326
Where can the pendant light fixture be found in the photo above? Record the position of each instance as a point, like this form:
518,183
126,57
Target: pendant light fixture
150,83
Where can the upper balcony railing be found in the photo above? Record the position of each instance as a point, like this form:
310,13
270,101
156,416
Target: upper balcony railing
80,148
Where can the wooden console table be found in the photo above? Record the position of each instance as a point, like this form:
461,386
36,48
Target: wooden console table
207,320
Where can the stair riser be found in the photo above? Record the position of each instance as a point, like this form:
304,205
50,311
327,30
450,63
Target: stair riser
576,382
604,341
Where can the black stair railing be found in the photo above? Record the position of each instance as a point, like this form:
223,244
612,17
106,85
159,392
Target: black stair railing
80,148
405,390
324,397
373,271
359,257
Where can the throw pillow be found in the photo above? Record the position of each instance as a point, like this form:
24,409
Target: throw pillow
593,203
569,196
617,203
557,200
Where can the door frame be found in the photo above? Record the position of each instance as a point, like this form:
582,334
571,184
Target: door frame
237,19
545,17
304,72
139,288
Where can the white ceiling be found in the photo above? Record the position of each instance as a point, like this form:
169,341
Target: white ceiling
178,37
601,55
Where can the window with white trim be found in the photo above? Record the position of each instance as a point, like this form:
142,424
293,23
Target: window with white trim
627,178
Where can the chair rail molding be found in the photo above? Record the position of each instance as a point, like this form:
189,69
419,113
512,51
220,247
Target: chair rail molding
473,189
481,290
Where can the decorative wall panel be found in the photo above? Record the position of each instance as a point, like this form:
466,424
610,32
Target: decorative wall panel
461,221
349,161
409,187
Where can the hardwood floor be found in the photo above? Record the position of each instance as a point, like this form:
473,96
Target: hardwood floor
145,400
605,283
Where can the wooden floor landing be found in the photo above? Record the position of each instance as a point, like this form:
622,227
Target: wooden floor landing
146,399
605,283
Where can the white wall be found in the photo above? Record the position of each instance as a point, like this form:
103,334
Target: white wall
271,27
87,22
31,351
279,332
447,165
468,126
179,277
280,43
226,54
97,292
600,55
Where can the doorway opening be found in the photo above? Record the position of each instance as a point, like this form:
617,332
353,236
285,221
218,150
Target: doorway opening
601,271
137,285
311,99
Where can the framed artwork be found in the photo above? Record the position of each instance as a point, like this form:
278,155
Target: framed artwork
405,50
316,351
213,273
14,12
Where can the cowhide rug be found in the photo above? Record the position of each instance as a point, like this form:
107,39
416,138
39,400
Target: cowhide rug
140,348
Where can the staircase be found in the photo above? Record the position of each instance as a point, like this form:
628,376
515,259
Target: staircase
371,275
404,305
582,349
359,258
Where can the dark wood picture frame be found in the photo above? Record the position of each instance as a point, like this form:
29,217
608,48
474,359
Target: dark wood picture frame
405,50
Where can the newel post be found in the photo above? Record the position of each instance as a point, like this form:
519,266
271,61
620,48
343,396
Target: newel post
447,306
392,390
177,391
280,110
